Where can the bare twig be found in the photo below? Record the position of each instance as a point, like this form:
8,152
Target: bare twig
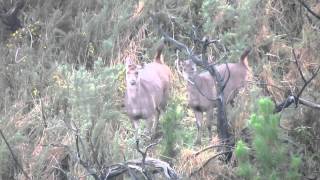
200,91
296,98
65,173
151,165
286,103
309,103
309,9
13,155
298,66
222,124
207,162
144,154
227,80
90,170
306,82
211,147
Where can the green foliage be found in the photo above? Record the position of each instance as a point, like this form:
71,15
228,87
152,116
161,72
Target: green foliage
242,152
170,120
270,154
235,24
92,97
43,77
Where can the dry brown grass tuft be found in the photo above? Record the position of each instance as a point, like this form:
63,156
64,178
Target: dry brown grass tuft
188,162
200,165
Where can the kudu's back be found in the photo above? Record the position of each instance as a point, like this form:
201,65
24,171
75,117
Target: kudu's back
235,75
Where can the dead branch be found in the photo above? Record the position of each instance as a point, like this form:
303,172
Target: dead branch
308,82
143,167
309,9
150,165
309,103
222,118
90,170
286,103
13,155
296,98
298,66
144,153
210,147
220,84
207,162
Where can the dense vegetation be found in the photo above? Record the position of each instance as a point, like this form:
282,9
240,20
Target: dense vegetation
62,85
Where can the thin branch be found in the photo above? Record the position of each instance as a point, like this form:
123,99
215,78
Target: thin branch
286,103
308,82
144,154
296,98
200,91
309,103
179,45
211,147
90,170
227,80
61,170
309,9
222,118
207,162
13,155
298,66
151,165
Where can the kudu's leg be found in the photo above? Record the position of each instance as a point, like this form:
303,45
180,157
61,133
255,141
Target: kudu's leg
199,117
155,125
209,123
135,124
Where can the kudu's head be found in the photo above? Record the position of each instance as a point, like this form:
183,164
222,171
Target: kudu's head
189,69
132,73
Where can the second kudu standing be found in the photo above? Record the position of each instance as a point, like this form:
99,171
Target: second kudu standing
147,91
202,92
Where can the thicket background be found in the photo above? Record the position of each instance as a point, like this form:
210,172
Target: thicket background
63,70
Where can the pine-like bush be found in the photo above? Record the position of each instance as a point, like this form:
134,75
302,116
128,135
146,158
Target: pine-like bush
170,120
271,159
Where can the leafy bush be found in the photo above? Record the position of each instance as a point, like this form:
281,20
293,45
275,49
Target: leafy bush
93,102
235,23
271,158
170,120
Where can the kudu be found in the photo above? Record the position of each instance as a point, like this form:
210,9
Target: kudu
202,94
147,91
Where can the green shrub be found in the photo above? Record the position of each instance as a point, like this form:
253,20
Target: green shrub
92,98
170,120
271,159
